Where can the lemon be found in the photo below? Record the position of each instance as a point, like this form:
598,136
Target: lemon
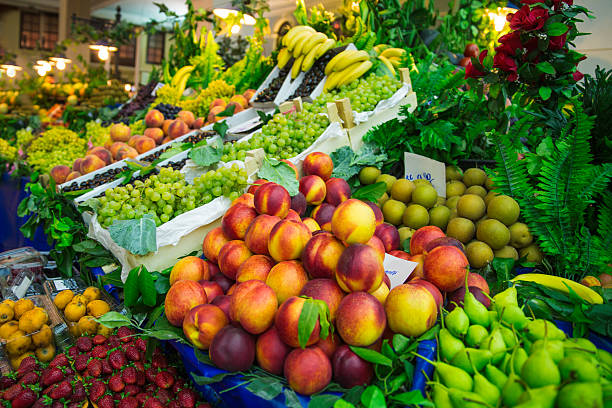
388,180
8,328
474,177
520,236
22,306
531,253
33,320
504,208
43,337
63,298
6,313
74,311
46,353
453,173
424,195
461,228
477,190
471,206
439,216
91,293
494,233
451,202
479,254
87,325
454,188
415,216
18,343
368,175
402,190
507,252
405,233
393,211
490,195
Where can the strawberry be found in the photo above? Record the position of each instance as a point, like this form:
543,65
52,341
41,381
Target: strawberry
124,333
68,371
99,339
204,405
27,365
151,388
128,402
159,361
100,351
61,360
6,382
141,344
94,369
80,362
84,343
116,384
40,403
96,390
173,371
153,403
164,395
61,390
25,399
132,353
51,376
174,404
75,404
12,392
186,398
142,398
151,373
131,389
79,393
117,359
164,380
106,368
30,378
106,402
113,341
129,375
57,404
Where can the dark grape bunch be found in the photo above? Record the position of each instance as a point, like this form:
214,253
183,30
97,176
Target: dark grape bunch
315,74
97,180
189,139
198,136
169,111
268,94
141,101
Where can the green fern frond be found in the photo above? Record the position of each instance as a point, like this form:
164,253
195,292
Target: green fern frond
597,178
604,228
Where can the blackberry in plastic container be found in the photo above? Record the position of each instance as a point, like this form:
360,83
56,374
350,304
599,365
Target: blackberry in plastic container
97,180
315,74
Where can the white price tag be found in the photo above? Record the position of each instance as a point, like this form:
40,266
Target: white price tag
398,269
60,285
158,86
22,288
421,167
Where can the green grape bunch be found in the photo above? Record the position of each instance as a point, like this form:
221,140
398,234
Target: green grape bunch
24,138
54,147
97,134
8,153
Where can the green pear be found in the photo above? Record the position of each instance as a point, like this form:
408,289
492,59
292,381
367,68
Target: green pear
520,356
539,329
604,357
578,368
475,310
554,347
512,390
509,337
512,315
457,322
505,298
495,376
466,399
470,358
539,370
449,344
440,397
475,334
579,346
581,394
454,377
487,390
506,364
544,396
494,342
493,316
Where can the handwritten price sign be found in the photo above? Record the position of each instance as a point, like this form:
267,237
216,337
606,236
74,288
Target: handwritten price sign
419,167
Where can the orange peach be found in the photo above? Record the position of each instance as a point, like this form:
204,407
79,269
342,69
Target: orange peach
378,246
166,126
236,221
232,255
144,144
248,94
360,269
223,301
187,117
202,323
241,100
126,152
307,371
59,173
154,119
321,255
76,166
361,319
319,164
253,305
102,153
155,133
298,204
411,309
213,112
258,233
311,224
272,199
91,163
286,322
418,271
353,222
115,147
323,215
433,289
246,199
480,282
295,170
120,132
213,242
270,351
212,289
443,241
326,290
255,185
133,140
446,267
381,293
177,129
330,344
237,107
422,237
183,296
199,123
73,175
189,268
292,216
286,279
380,218
167,139
217,102
398,253
313,188
287,240
389,236
338,191
256,267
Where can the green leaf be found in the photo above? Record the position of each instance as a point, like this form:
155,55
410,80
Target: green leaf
342,159
280,173
546,67
137,236
162,285
266,388
343,404
400,343
373,397
221,128
173,151
556,29
209,154
147,287
371,192
291,399
307,321
323,401
544,92
114,319
372,356
503,268
201,380
130,288
413,397
229,111
164,335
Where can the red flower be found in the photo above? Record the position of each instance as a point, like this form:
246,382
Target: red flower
529,19
471,71
510,43
506,63
557,42
578,75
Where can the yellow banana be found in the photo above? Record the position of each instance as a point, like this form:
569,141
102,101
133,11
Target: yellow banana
332,80
330,67
387,63
396,62
283,57
349,60
291,44
301,45
178,76
313,41
297,65
393,52
181,85
355,71
381,47
323,48
295,31
310,58
562,285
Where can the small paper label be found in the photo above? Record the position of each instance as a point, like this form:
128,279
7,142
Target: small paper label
421,167
60,285
22,288
398,269
157,87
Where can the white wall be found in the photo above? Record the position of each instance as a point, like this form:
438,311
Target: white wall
598,45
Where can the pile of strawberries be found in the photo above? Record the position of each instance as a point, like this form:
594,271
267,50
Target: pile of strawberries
117,374
38,385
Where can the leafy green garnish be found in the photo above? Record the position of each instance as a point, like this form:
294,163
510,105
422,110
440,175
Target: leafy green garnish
348,163
280,173
208,154
137,236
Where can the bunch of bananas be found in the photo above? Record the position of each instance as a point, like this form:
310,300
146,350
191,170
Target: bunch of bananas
179,80
390,57
562,285
346,67
305,45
